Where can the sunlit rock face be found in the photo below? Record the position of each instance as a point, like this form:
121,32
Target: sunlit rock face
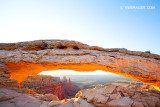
112,95
18,60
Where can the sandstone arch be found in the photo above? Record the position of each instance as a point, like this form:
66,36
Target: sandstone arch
18,60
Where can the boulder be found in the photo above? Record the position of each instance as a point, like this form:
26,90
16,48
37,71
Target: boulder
123,102
49,97
67,104
44,104
137,104
7,104
115,96
88,94
54,103
83,103
6,94
98,98
109,89
26,101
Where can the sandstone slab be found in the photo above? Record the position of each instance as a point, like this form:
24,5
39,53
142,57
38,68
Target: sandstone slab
124,102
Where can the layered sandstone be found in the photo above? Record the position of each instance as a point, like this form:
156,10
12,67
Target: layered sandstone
44,84
109,95
18,60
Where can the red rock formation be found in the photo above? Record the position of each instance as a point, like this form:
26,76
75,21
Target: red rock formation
19,60
69,90
44,84
53,89
30,58
69,81
64,80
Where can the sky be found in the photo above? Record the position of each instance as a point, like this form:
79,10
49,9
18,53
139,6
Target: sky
95,22
71,72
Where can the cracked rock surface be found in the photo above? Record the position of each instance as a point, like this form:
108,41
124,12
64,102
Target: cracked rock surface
109,95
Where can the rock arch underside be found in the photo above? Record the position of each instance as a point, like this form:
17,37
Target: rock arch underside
19,60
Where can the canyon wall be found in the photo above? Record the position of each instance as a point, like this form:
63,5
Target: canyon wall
19,60
44,84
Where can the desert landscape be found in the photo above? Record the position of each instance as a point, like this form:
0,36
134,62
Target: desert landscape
79,53
21,86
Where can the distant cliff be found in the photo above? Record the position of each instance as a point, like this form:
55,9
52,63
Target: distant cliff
53,89
44,84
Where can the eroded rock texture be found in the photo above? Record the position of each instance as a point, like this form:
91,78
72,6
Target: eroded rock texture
109,95
112,95
18,60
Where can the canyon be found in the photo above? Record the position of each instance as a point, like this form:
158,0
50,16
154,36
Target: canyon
19,60
109,95
44,84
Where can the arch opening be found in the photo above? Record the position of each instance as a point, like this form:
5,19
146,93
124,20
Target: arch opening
65,84
21,70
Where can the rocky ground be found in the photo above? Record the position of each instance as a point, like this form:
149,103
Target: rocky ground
109,95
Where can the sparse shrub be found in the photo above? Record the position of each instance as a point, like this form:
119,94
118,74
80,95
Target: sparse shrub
147,52
44,43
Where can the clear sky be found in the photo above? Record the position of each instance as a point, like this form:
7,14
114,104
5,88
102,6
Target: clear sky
71,72
95,22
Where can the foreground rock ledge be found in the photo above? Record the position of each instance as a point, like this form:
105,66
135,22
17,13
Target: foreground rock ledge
18,60
109,95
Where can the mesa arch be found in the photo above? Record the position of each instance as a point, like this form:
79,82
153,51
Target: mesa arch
18,60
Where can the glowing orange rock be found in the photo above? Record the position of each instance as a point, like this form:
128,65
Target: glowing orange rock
30,58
